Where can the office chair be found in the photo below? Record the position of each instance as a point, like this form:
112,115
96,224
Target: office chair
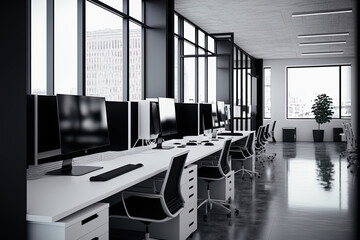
260,145
244,154
152,207
216,173
273,131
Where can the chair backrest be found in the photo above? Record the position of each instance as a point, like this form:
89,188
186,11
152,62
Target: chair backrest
224,164
249,143
171,189
267,134
259,139
273,127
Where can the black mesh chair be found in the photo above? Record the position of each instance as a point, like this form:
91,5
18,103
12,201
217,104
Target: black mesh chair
216,173
243,154
152,207
273,131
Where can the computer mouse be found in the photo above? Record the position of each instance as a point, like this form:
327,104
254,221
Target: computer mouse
191,143
209,144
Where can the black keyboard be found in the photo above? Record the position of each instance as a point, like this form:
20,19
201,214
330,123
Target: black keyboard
115,172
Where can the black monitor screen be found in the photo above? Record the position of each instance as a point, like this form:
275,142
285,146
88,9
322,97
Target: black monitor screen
47,127
221,111
206,120
118,125
215,121
154,118
167,116
82,123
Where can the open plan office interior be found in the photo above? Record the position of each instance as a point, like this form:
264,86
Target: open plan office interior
179,119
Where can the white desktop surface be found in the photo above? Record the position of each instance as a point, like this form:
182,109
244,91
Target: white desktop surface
52,198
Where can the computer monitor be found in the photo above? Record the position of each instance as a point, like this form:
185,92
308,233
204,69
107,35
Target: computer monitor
206,120
215,121
187,115
83,126
154,118
167,117
118,125
221,111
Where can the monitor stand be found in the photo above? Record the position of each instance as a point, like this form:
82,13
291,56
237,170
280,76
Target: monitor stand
68,169
159,144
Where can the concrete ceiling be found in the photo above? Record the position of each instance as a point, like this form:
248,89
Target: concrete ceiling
265,28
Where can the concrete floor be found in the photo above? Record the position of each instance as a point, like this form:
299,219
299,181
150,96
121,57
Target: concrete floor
306,193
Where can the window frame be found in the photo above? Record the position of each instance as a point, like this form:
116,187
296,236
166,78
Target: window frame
314,66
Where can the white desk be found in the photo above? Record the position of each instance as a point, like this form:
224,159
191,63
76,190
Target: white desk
52,198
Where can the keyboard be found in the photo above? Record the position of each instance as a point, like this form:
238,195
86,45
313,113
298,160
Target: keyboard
115,172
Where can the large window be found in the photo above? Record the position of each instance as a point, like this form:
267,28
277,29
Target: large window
135,66
305,83
104,53
267,93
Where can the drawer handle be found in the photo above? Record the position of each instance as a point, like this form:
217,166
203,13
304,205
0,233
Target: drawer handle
191,179
230,182
95,238
191,210
191,195
229,176
191,171
191,223
229,189
86,220
191,187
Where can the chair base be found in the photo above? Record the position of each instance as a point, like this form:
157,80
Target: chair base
243,170
221,203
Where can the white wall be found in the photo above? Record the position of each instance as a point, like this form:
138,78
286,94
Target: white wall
278,98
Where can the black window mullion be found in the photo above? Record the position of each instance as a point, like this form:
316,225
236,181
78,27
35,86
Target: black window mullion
126,83
196,68
50,47
340,80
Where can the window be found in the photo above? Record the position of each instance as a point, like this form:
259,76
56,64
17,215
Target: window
201,79
201,38
212,79
189,79
267,93
189,31
65,47
345,91
305,83
176,69
135,9
104,53
211,44
135,53
38,47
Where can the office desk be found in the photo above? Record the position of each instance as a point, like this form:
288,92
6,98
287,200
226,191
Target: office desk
52,198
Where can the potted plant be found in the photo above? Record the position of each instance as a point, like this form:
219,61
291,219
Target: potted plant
322,109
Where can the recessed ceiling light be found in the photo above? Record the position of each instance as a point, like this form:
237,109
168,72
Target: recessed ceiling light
321,53
324,35
321,43
317,13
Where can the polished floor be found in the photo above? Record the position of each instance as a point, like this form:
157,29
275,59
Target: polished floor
306,193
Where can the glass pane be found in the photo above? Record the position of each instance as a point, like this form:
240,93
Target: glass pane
201,52
267,92
189,79
345,91
201,84
176,24
135,8
65,47
38,47
201,38
135,59
117,4
189,32
211,44
323,80
104,53
189,49
176,70
212,79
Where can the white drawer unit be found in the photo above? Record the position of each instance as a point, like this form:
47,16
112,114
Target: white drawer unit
221,190
89,223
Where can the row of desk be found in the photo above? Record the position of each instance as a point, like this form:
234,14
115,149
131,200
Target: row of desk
52,198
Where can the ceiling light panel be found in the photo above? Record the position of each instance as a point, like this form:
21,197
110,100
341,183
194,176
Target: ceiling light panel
321,43
321,53
323,35
318,13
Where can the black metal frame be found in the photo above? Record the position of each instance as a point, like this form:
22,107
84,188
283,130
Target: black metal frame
311,66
